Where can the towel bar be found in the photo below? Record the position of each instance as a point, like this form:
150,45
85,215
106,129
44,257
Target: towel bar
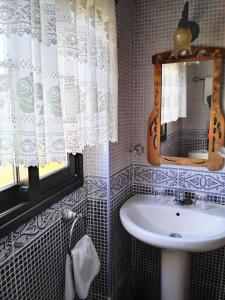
70,215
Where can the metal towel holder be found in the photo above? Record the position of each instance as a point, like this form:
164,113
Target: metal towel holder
71,215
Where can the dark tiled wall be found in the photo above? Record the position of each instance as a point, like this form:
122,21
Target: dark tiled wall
145,271
207,269
127,264
121,158
179,143
193,140
207,273
31,237
30,241
172,145
97,207
120,241
33,256
155,22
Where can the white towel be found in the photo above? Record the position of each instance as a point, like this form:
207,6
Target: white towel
207,88
69,281
86,265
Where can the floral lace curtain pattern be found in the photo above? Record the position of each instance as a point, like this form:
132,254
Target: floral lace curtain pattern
174,92
58,78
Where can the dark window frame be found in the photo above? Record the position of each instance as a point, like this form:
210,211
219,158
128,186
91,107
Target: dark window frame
25,200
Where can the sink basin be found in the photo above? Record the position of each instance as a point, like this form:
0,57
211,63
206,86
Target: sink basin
170,226
177,231
201,154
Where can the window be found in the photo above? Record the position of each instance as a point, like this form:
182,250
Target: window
50,168
25,192
7,176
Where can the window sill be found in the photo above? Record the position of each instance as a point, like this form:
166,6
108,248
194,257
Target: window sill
23,212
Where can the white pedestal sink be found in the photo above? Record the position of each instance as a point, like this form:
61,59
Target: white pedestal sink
178,231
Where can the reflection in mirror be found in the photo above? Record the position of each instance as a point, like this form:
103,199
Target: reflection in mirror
185,108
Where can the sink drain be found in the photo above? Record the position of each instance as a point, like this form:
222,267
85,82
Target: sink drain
175,235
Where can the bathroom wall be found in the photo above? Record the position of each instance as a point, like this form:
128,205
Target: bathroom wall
97,168
195,127
32,257
193,139
197,110
121,158
155,23
172,145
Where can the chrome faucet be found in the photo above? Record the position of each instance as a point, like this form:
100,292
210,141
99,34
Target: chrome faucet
186,201
180,199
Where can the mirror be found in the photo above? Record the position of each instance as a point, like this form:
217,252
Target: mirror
186,126
185,108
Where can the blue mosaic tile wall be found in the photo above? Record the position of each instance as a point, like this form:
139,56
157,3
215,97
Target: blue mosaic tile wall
134,266
155,22
97,207
208,268
129,267
120,240
193,140
32,257
93,199
172,145
120,250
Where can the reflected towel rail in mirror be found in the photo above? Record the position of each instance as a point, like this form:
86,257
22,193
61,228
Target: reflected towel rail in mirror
197,79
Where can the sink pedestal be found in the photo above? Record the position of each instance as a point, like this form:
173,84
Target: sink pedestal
168,227
175,275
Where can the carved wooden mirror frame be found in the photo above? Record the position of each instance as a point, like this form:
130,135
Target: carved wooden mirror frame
216,130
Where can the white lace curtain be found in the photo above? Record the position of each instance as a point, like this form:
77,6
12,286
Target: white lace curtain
58,78
174,92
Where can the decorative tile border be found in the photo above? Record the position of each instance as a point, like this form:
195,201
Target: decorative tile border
212,183
146,177
94,189
81,193
97,187
191,180
163,176
120,181
29,231
6,247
